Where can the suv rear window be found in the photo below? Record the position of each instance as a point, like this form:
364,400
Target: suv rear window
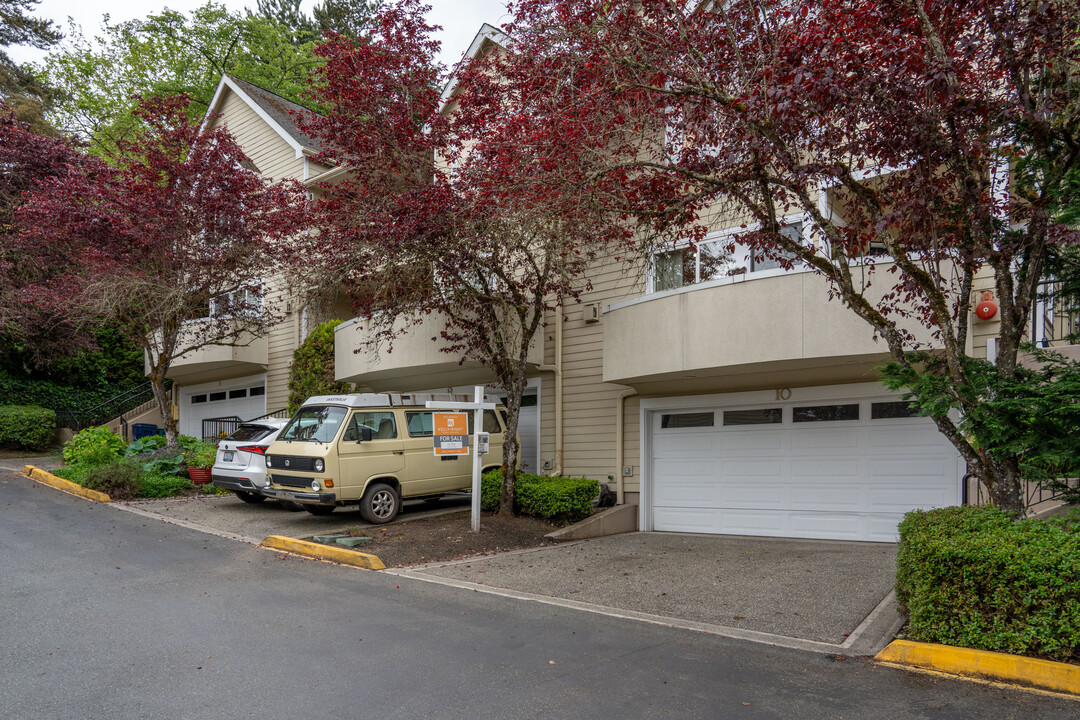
250,433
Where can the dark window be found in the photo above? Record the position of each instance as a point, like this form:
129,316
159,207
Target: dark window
198,398
892,410
825,413
528,401
687,420
217,396
257,391
753,417
250,433
233,394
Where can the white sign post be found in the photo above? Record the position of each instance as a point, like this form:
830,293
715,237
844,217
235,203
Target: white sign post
478,406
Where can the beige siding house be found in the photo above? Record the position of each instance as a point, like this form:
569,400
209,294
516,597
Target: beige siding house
741,401
251,380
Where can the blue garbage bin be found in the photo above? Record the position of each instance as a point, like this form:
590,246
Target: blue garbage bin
141,430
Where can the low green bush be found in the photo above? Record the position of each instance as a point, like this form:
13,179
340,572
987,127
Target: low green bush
125,479
119,480
94,446
158,485
973,577
552,498
26,426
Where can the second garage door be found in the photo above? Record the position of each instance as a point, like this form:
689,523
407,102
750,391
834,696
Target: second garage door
833,469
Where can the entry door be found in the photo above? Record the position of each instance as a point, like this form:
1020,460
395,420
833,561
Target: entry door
361,459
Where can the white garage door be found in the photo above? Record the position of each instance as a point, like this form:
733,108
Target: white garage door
834,469
244,398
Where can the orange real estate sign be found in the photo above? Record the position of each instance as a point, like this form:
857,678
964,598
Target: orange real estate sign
451,433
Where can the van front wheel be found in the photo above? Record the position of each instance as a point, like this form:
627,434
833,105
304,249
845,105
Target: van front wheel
380,504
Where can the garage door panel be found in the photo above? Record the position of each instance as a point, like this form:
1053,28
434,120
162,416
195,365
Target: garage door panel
904,498
908,468
736,470
851,480
811,440
913,434
824,497
750,443
826,525
689,493
683,444
804,467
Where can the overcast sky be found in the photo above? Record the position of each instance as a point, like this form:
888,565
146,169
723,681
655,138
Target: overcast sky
460,19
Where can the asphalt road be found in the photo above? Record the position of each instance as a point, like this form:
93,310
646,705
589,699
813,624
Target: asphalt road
107,614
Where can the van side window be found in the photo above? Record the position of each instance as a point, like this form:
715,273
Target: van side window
491,422
420,424
381,424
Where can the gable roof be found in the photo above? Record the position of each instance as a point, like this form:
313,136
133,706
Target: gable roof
276,111
487,34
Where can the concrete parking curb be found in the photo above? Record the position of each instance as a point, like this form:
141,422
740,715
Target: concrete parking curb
984,665
361,560
47,478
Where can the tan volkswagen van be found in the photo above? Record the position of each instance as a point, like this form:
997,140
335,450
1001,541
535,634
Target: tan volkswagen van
363,449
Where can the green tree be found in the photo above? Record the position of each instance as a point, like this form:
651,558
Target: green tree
344,17
169,53
312,371
20,89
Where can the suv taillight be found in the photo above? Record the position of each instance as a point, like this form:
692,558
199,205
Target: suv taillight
261,449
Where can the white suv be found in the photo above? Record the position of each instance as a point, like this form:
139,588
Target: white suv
241,458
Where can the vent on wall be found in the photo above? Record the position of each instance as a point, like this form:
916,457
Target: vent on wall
591,313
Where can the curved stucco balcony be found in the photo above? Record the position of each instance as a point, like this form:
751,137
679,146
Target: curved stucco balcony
755,333
248,356
413,361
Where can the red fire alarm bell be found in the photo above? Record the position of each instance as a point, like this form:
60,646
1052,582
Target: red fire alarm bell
987,308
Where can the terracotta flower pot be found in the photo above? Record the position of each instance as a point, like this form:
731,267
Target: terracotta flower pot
198,475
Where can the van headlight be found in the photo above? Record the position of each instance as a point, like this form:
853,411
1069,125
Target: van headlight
315,487
319,465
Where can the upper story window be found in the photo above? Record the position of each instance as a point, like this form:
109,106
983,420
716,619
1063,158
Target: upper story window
718,257
247,300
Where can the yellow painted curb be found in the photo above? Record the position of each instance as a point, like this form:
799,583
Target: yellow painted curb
67,486
324,552
984,665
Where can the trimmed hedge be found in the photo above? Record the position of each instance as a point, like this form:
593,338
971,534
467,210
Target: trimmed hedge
552,498
26,426
972,577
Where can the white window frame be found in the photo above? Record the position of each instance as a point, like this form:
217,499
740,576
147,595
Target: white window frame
726,235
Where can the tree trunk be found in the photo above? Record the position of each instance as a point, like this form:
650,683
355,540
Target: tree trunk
164,403
514,391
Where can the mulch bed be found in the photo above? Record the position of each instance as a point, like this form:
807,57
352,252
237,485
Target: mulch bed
450,537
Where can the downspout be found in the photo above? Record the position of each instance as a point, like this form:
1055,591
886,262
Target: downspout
556,368
620,406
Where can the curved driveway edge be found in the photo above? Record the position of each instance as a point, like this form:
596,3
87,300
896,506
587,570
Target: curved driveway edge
364,561
983,665
47,478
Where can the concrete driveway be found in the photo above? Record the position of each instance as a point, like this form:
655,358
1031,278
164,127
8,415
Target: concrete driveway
825,596
228,516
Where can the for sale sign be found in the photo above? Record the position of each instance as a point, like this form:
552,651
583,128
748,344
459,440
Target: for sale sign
451,432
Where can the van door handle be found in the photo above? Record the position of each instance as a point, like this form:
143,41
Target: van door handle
399,452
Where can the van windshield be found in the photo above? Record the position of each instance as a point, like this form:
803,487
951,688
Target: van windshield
315,423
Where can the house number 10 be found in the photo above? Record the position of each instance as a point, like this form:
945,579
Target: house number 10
783,393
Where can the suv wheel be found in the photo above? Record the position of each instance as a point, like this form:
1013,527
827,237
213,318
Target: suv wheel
380,504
